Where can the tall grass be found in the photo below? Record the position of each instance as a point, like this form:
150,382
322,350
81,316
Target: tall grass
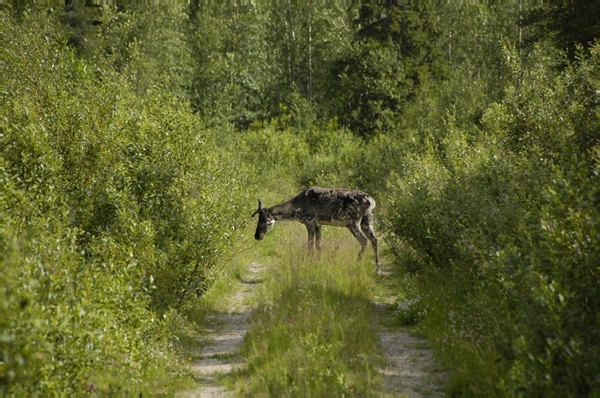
313,330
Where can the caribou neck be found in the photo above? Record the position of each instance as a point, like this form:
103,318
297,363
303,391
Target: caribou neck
283,212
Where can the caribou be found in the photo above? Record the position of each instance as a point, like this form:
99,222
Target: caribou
315,207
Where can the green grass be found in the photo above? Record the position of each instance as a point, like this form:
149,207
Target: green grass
313,330
167,377
458,335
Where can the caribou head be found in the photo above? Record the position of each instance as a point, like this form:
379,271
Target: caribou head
265,221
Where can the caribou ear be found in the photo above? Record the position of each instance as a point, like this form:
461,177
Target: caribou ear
259,207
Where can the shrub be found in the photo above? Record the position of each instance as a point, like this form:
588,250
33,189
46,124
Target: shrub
546,269
549,277
329,157
117,206
503,216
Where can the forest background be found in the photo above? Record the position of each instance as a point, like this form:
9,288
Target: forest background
135,141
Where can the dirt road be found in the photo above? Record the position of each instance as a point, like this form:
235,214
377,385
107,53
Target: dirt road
409,366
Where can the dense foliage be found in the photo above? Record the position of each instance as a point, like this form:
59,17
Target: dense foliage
128,135
116,207
510,214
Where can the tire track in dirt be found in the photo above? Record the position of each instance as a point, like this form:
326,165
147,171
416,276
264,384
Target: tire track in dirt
410,367
220,347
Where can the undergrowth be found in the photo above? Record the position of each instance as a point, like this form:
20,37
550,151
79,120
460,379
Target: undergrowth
499,235
115,209
458,327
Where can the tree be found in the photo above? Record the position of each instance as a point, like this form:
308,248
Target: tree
233,72
397,49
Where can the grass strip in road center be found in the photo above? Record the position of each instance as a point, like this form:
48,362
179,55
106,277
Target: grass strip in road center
313,331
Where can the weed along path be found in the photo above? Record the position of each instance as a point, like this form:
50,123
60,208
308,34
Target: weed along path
218,354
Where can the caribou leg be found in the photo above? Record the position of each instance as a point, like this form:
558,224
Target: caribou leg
355,229
367,226
318,236
310,227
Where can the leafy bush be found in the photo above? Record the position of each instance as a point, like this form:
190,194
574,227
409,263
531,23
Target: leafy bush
453,191
334,158
274,146
329,157
146,44
549,276
504,212
547,268
74,326
116,206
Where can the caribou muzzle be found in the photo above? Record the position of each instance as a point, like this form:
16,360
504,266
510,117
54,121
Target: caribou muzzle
263,224
259,235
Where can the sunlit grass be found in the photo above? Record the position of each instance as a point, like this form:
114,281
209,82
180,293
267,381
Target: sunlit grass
313,330
165,377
